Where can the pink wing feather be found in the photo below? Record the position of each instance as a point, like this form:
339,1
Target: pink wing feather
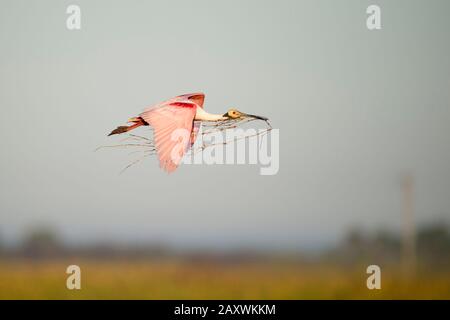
174,129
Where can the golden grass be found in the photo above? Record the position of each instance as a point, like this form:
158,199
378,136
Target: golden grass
188,280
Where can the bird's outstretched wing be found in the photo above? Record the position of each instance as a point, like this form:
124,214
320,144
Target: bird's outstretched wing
172,124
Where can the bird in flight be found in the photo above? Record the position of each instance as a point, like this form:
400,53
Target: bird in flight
176,123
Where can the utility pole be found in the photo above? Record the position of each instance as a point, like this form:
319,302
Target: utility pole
409,258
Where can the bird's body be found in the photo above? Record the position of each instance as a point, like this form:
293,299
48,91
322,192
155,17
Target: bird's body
176,123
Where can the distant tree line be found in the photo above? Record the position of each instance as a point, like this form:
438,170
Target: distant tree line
382,247
432,247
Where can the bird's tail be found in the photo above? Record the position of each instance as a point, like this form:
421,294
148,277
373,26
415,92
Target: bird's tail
137,122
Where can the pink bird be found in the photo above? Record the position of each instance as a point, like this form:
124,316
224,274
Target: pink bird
180,114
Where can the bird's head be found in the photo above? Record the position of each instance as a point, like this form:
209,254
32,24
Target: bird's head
236,114
233,114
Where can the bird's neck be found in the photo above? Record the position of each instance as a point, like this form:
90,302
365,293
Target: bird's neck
202,115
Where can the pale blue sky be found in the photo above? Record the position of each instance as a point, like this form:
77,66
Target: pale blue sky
355,109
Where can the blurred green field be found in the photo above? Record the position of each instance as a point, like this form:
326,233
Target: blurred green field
175,279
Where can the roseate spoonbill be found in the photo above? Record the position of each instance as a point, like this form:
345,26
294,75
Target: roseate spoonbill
185,113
